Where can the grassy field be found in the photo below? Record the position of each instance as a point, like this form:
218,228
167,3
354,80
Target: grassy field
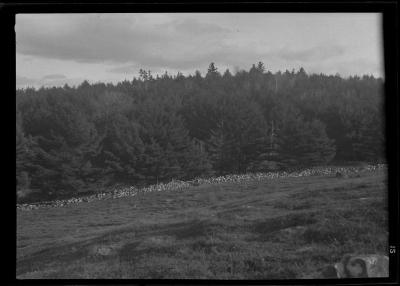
275,229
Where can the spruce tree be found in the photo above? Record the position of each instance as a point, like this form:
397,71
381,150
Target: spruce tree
220,148
302,143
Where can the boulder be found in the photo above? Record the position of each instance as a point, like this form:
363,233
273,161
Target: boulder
339,175
358,266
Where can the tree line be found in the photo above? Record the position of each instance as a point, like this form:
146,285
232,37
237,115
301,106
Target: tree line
79,140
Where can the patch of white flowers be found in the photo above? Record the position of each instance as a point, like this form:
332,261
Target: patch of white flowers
177,185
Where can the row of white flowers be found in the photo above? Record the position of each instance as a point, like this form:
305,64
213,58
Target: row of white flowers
181,185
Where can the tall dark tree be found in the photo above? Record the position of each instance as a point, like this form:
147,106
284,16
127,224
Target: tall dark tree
302,143
22,160
261,67
121,149
212,71
220,147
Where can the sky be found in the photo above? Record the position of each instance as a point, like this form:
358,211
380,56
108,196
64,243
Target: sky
54,49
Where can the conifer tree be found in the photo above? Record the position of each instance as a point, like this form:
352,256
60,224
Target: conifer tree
212,71
121,148
260,67
302,143
220,147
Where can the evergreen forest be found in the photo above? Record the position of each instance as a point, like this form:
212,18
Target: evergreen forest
72,141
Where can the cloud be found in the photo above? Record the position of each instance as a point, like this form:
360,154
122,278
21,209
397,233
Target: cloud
177,43
109,47
47,81
83,39
232,56
188,61
24,81
54,77
124,69
316,53
194,27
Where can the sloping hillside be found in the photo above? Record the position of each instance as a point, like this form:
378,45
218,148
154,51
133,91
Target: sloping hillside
278,228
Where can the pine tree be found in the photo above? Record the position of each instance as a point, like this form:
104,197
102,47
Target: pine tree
22,160
121,148
220,147
197,163
261,67
236,141
368,141
168,147
212,71
302,143
212,68
227,74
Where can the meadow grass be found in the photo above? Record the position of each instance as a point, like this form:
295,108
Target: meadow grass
276,229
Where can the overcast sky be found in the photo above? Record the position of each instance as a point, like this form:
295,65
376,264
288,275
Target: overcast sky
54,49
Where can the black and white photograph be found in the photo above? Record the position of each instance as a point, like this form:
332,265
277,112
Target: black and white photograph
205,146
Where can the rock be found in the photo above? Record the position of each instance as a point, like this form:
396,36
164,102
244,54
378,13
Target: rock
195,183
296,230
358,266
181,185
101,250
329,272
